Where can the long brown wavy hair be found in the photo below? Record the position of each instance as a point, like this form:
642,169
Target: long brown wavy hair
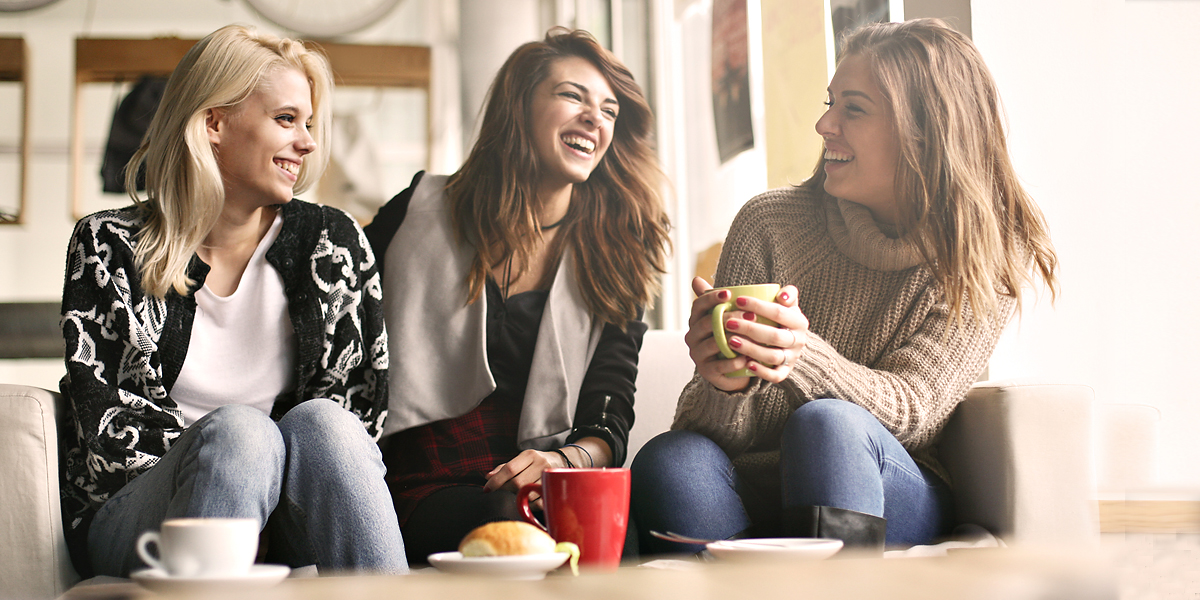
615,227
977,229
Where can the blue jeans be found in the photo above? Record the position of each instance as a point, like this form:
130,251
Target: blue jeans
315,479
833,453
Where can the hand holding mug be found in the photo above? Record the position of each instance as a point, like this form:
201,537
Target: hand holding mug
745,331
587,507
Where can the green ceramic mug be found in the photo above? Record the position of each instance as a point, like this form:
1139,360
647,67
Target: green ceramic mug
762,291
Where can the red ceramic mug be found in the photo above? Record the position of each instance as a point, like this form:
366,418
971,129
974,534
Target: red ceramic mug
588,507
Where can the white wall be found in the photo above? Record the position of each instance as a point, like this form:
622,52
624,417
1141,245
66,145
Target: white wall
1102,98
706,194
494,29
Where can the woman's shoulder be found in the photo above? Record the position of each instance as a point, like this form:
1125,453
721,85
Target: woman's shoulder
333,221
119,225
789,207
790,199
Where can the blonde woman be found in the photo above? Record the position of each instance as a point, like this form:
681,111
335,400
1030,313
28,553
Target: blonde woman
514,290
902,259
225,348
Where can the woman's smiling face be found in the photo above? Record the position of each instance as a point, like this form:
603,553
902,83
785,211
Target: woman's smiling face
572,115
262,141
862,149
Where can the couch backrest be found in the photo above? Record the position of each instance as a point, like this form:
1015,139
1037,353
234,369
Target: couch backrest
664,367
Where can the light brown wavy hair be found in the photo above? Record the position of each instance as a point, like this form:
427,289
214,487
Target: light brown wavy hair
616,227
184,190
977,229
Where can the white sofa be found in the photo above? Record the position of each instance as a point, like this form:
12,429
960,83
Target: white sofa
1020,455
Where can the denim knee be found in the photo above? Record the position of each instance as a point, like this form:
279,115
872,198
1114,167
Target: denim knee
329,444
239,465
826,419
243,432
666,453
321,423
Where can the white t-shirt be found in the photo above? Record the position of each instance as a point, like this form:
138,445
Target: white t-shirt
243,346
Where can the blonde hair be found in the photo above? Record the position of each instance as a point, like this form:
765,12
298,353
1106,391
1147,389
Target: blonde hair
184,190
960,200
616,225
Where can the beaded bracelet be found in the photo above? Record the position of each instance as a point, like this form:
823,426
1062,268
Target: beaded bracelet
591,463
564,457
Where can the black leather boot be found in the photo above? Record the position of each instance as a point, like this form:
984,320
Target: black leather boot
855,529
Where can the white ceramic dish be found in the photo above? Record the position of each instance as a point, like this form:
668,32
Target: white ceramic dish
528,566
775,548
260,576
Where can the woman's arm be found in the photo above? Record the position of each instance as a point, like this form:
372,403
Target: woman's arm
602,417
354,364
605,409
123,418
913,387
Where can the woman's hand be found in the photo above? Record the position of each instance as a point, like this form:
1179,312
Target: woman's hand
524,468
767,351
527,467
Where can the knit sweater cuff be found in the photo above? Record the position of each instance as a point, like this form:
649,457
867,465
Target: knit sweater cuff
721,416
810,374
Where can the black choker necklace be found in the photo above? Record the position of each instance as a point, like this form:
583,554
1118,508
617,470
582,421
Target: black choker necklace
553,225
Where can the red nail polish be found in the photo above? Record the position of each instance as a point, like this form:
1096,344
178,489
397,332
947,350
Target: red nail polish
731,324
748,316
784,296
735,343
723,295
752,367
742,301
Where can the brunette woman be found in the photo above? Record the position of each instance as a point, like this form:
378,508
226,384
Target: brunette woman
514,289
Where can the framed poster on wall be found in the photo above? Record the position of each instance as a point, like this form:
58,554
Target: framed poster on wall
731,78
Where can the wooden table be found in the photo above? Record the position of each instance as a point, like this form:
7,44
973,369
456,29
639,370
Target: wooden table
1003,573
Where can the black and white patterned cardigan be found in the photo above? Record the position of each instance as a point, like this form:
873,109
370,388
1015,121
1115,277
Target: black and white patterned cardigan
124,349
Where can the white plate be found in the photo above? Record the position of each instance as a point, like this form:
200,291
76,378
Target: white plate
259,576
526,566
775,548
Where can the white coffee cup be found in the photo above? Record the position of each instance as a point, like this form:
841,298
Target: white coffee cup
202,547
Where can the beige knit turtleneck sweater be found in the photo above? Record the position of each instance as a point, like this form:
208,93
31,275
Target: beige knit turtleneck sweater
880,334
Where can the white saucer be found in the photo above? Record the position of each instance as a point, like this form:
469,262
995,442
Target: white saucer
775,548
527,566
260,576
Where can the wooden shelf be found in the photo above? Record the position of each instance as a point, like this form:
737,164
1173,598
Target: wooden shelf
12,59
100,60
1149,516
107,60
13,67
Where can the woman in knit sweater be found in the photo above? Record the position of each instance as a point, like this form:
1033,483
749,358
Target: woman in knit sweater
901,260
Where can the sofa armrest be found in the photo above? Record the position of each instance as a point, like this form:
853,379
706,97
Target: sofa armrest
1020,458
33,555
